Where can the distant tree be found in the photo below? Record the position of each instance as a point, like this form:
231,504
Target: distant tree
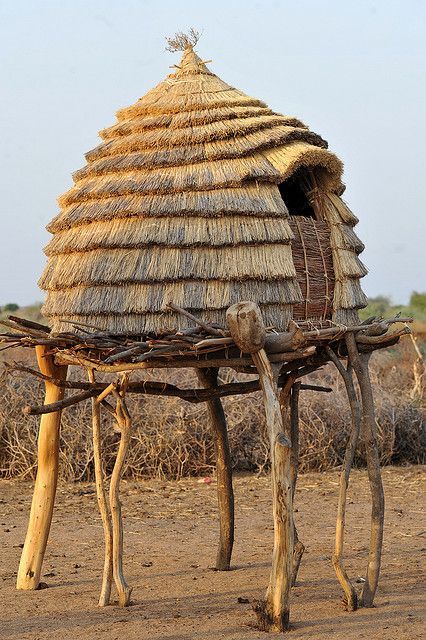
418,301
379,306
11,307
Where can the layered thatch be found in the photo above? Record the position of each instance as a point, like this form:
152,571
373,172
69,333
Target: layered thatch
180,203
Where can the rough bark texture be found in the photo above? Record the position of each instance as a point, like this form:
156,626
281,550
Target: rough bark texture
245,323
124,425
360,365
350,597
46,480
225,494
273,614
299,547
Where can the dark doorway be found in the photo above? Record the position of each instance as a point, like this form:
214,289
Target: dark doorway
294,193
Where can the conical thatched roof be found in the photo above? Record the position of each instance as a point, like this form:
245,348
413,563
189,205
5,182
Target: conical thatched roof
179,203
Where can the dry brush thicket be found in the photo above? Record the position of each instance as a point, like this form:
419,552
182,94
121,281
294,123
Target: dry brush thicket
172,438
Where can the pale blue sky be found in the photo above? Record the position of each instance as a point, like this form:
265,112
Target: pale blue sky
353,70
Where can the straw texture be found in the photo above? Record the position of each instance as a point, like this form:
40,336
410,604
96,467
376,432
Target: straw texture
348,268
179,203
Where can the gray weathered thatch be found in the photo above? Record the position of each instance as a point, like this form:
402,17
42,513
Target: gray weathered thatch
180,203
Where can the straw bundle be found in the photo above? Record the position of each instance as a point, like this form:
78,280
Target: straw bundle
179,203
348,268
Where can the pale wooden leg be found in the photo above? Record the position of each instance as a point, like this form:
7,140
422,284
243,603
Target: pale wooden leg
46,480
274,613
350,598
124,424
225,494
248,331
360,365
105,595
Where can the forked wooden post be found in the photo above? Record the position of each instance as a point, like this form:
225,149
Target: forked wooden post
46,479
225,493
247,329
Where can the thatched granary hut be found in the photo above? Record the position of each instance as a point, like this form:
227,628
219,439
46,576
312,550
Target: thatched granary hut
202,196
200,229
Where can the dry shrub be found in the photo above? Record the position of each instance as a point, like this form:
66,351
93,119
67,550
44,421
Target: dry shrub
172,439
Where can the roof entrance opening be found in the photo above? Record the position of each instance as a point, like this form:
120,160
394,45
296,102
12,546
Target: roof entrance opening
294,192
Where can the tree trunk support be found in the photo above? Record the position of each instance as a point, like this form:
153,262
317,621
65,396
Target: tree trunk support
360,363
248,331
274,612
350,595
46,480
225,494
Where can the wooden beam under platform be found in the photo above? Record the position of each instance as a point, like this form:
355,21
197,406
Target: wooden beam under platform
92,389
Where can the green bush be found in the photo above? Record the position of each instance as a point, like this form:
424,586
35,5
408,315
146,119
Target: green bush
383,306
11,307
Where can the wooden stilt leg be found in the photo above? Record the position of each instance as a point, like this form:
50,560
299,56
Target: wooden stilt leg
274,613
105,595
248,331
299,547
289,403
225,494
360,365
124,425
298,551
46,480
350,598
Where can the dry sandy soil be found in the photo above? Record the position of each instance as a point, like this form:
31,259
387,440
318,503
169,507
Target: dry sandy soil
170,545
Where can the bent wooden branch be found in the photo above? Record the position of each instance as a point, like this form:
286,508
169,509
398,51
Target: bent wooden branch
124,424
104,597
148,388
351,598
360,365
60,404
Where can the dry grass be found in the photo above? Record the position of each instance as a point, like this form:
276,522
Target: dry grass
172,438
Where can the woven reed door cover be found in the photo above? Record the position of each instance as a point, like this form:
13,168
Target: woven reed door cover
314,267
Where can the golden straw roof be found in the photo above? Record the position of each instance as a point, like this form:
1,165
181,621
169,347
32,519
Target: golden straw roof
179,203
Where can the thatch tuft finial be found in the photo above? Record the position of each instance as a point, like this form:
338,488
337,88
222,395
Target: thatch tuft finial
181,41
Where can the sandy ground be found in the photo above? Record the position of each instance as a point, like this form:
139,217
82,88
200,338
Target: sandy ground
170,545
